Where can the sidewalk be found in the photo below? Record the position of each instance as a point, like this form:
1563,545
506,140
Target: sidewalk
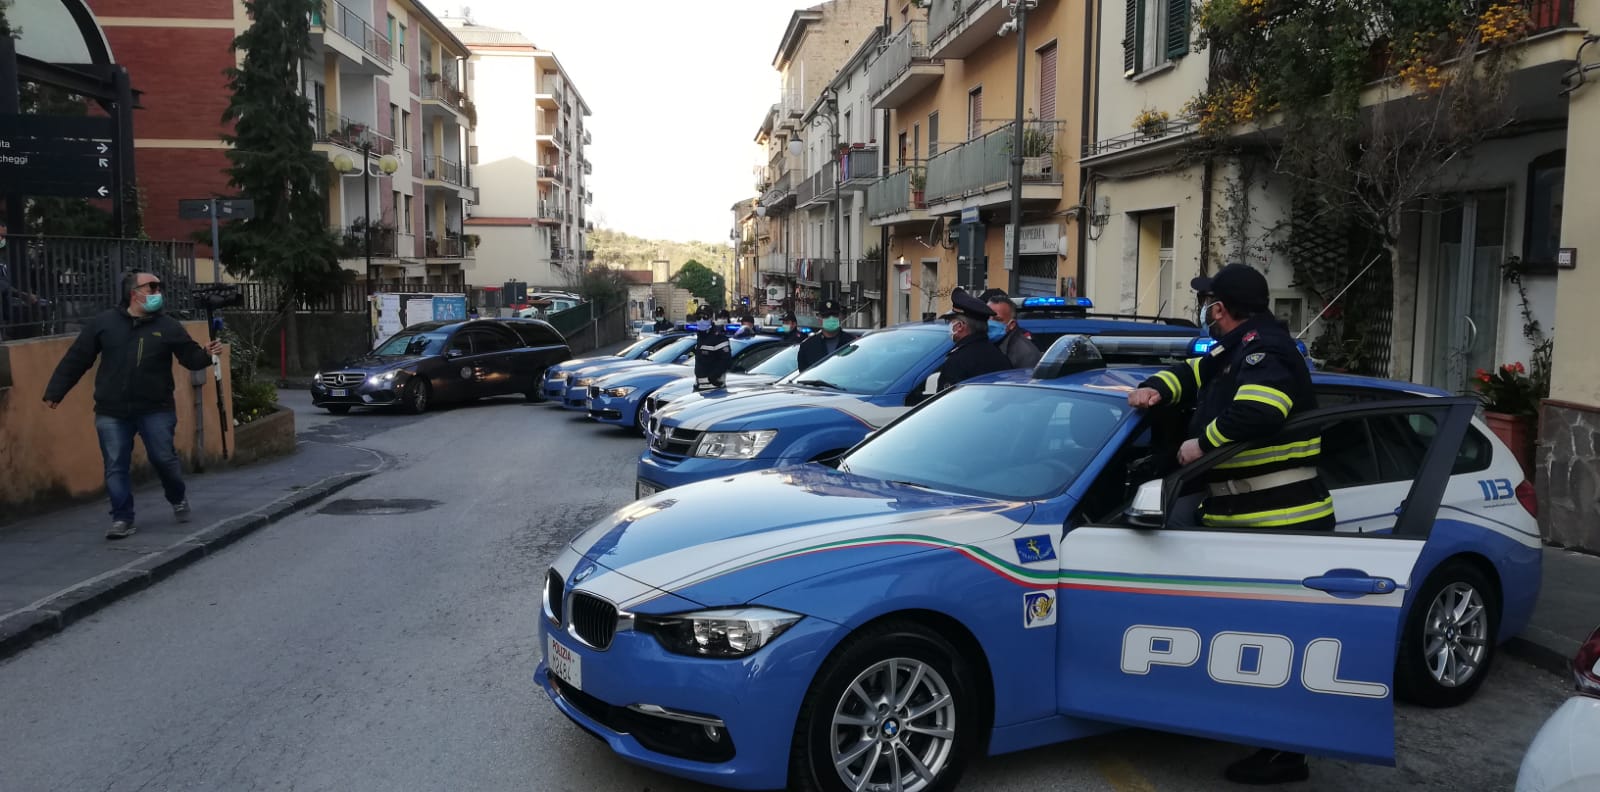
57,568
1567,613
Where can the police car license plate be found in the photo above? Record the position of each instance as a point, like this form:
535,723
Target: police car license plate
339,392
643,490
564,663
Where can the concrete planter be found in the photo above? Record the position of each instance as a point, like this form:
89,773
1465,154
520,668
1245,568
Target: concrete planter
264,438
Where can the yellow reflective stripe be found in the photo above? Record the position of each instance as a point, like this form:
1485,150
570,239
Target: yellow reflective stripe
1272,518
1194,368
1265,395
1171,381
1215,435
1274,454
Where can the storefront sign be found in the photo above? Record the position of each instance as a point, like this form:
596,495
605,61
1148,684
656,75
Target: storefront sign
1037,240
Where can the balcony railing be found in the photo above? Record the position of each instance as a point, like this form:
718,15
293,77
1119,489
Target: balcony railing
552,172
984,163
588,138
779,190
551,85
906,47
449,247
861,165
352,26
892,194
441,169
441,88
588,197
353,242
353,135
776,263
548,211
818,187
588,167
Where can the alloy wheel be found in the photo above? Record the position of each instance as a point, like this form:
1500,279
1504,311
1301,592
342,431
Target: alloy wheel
894,728
1456,635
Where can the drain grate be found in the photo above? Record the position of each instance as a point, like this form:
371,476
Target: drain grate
360,506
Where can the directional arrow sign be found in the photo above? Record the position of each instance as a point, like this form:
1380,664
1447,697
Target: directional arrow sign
227,208
194,208
66,156
67,189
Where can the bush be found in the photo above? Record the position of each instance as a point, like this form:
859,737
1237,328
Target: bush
253,400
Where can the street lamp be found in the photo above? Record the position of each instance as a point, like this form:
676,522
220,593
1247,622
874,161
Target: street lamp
389,164
1019,23
797,147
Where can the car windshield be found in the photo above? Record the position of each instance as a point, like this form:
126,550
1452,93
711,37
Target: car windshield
1006,442
872,364
780,364
673,351
638,347
406,344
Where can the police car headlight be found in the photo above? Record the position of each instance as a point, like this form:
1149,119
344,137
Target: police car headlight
730,632
558,376
617,393
734,445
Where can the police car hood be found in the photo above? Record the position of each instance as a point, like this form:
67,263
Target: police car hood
669,370
776,407
610,367
761,531
736,384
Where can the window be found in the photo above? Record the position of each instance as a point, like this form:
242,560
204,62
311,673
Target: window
755,356
492,339
402,44
394,122
389,30
1542,237
916,138
1047,82
1155,33
975,113
874,363
902,150
394,211
405,216
933,134
849,130
539,335
405,130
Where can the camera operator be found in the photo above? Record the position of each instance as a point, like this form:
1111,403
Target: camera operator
133,391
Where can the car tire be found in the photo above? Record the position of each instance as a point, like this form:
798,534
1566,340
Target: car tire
419,396
338,409
929,667
535,392
1454,618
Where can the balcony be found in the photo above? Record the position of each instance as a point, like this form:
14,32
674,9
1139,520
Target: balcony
891,200
815,271
549,94
439,169
440,89
904,69
588,197
588,167
550,214
551,173
353,135
452,246
861,166
817,190
776,264
353,242
554,138
780,194
588,138
978,173
957,27
352,27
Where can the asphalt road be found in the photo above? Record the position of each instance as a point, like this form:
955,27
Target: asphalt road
395,651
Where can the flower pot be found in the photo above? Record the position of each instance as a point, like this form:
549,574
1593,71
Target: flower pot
916,199
1036,167
1518,432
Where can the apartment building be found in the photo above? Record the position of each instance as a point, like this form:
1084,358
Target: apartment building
796,270
532,160
948,77
371,99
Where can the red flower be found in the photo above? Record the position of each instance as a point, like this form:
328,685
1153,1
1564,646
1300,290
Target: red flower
1520,368
1483,375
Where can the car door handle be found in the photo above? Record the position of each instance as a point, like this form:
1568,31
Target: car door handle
1348,583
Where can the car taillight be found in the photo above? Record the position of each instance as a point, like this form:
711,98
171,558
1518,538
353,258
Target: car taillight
1586,666
1529,499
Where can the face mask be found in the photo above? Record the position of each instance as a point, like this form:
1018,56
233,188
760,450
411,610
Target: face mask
152,303
1212,328
788,328
997,330
830,324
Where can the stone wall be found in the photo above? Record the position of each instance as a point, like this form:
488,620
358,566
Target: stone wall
1568,475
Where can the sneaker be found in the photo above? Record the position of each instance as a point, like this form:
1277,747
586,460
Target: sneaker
1267,766
181,511
120,529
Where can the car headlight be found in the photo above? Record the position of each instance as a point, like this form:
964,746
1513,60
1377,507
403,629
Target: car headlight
558,376
317,378
734,445
582,382
383,379
617,393
729,632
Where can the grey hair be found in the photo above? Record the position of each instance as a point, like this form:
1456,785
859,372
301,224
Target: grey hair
974,325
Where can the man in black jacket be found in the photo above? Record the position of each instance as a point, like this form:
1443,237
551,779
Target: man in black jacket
820,345
713,353
663,324
974,354
791,330
133,391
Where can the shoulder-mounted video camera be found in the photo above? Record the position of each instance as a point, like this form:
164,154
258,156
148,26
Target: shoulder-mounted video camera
216,297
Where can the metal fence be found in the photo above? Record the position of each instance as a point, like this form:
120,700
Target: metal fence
52,285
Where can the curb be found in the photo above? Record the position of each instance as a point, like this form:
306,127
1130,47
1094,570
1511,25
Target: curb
1540,656
24,628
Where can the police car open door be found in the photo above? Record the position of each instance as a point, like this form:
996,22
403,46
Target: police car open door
1265,637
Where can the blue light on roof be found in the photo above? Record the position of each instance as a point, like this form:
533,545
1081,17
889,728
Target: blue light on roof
1202,345
1301,345
1057,302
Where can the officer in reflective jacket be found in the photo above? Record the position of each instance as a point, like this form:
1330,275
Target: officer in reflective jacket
713,354
1249,384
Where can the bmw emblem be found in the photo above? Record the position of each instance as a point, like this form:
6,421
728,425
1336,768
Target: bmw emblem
583,574
891,727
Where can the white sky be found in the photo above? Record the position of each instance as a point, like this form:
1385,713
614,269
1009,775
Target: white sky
677,92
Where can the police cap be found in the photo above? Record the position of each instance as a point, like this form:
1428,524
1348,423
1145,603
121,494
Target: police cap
1240,286
965,304
828,308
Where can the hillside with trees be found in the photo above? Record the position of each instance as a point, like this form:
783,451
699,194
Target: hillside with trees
625,251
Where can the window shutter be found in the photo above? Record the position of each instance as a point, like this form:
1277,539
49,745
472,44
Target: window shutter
1130,40
1047,84
1177,28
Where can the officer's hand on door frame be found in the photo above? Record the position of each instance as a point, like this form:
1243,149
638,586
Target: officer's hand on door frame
1144,398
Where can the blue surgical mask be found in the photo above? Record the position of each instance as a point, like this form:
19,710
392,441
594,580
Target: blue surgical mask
997,330
152,303
830,324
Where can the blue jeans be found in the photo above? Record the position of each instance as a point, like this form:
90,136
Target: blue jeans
116,449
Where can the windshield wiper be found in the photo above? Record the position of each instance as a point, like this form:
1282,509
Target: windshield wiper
912,484
819,383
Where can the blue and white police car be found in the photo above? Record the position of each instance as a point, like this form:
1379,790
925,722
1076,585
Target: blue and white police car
992,572
615,398
828,408
774,369
576,392
553,385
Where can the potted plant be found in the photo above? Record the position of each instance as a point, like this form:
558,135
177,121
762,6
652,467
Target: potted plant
919,183
431,76
1151,123
1511,409
1038,149
471,241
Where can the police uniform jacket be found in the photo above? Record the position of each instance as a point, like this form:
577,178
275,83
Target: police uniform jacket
1019,349
818,346
663,325
972,356
713,356
1250,383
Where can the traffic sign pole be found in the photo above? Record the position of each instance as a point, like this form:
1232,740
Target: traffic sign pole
216,250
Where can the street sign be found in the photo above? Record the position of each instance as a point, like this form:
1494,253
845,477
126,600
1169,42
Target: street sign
63,156
227,209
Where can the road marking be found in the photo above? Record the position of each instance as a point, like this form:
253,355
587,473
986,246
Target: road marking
1122,775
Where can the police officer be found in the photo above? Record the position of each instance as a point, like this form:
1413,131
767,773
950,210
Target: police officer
663,324
1251,382
973,354
713,354
791,329
825,343
747,325
1006,334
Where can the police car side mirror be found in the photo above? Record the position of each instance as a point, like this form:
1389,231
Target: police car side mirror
1145,511
931,387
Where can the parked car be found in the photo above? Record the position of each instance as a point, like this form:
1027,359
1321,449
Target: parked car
774,369
444,362
616,397
1563,755
864,603
554,386
579,380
